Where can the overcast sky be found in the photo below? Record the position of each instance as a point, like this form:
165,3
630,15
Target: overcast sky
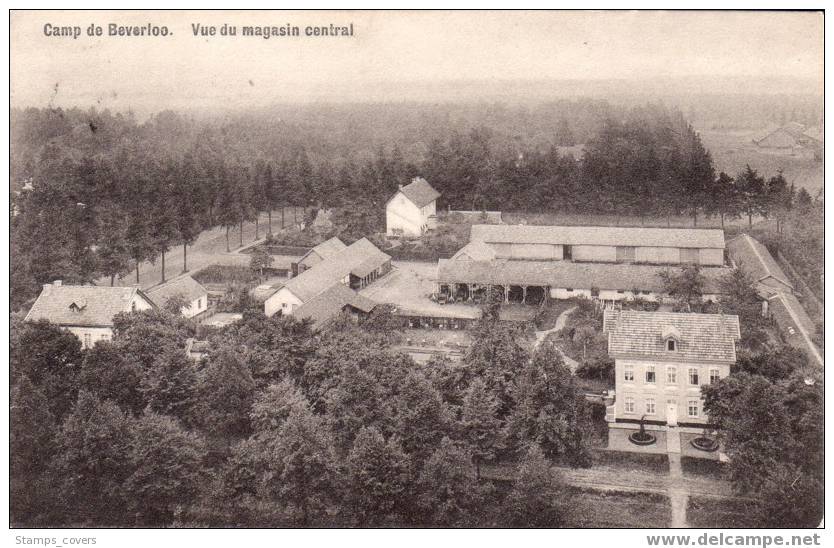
392,51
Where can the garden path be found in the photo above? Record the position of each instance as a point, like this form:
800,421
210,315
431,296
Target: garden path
560,323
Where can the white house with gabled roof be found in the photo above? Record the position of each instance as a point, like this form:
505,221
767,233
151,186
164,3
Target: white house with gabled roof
86,311
409,211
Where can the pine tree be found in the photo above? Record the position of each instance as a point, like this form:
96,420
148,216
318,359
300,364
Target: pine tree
481,426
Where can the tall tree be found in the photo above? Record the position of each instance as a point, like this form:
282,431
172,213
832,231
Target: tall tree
752,194
539,497
481,427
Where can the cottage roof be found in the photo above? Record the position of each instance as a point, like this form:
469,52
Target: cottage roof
565,274
326,249
359,256
599,235
185,286
703,337
331,302
83,305
789,312
750,255
420,192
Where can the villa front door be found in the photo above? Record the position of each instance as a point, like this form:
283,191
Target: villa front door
672,414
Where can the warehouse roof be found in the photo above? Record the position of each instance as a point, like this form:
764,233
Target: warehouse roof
331,302
83,305
326,249
701,337
600,235
565,274
357,257
475,251
754,258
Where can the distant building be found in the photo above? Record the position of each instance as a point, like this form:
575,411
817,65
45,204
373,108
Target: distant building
410,211
333,302
793,138
662,359
86,311
777,293
603,244
355,267
186,287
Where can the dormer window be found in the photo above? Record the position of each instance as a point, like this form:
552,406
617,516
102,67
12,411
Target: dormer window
77,307
671,337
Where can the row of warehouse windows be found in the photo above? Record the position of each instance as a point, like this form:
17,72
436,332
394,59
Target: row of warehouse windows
671,375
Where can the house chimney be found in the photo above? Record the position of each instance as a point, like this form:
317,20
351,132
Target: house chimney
400,187
57,283
47,289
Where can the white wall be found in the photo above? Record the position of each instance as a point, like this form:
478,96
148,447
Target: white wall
283,300
713,257
196,306
402,214
661,391
594,253
563,293
89,336
141,303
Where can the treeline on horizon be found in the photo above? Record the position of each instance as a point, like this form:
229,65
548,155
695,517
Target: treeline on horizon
104,192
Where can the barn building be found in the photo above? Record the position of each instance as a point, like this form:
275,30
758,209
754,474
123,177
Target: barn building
530,282
321,252
662,359
411,210
86,311
602,244
355,267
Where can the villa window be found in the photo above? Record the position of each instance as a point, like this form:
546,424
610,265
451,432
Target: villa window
692,409
693,376
651,408
628,405
671,345
671,375
87,340
714,376
650,374
105,337
628,373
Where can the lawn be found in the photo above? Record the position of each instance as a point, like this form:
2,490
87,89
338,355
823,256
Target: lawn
603,509
716,513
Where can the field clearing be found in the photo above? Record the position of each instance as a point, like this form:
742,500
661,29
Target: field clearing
733,150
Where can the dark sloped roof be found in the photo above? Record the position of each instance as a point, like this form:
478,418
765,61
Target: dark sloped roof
703,337
326,249
331,302
361,254
754,258
94,306
565,274
599,235
186,286
420,192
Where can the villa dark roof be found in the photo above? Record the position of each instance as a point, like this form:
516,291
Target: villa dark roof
599,235
186,286
566,274
358,256
331,302
420,192
754,258
702,337
83,305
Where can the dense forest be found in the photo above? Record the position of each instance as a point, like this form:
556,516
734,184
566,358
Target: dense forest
117,192
279,426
